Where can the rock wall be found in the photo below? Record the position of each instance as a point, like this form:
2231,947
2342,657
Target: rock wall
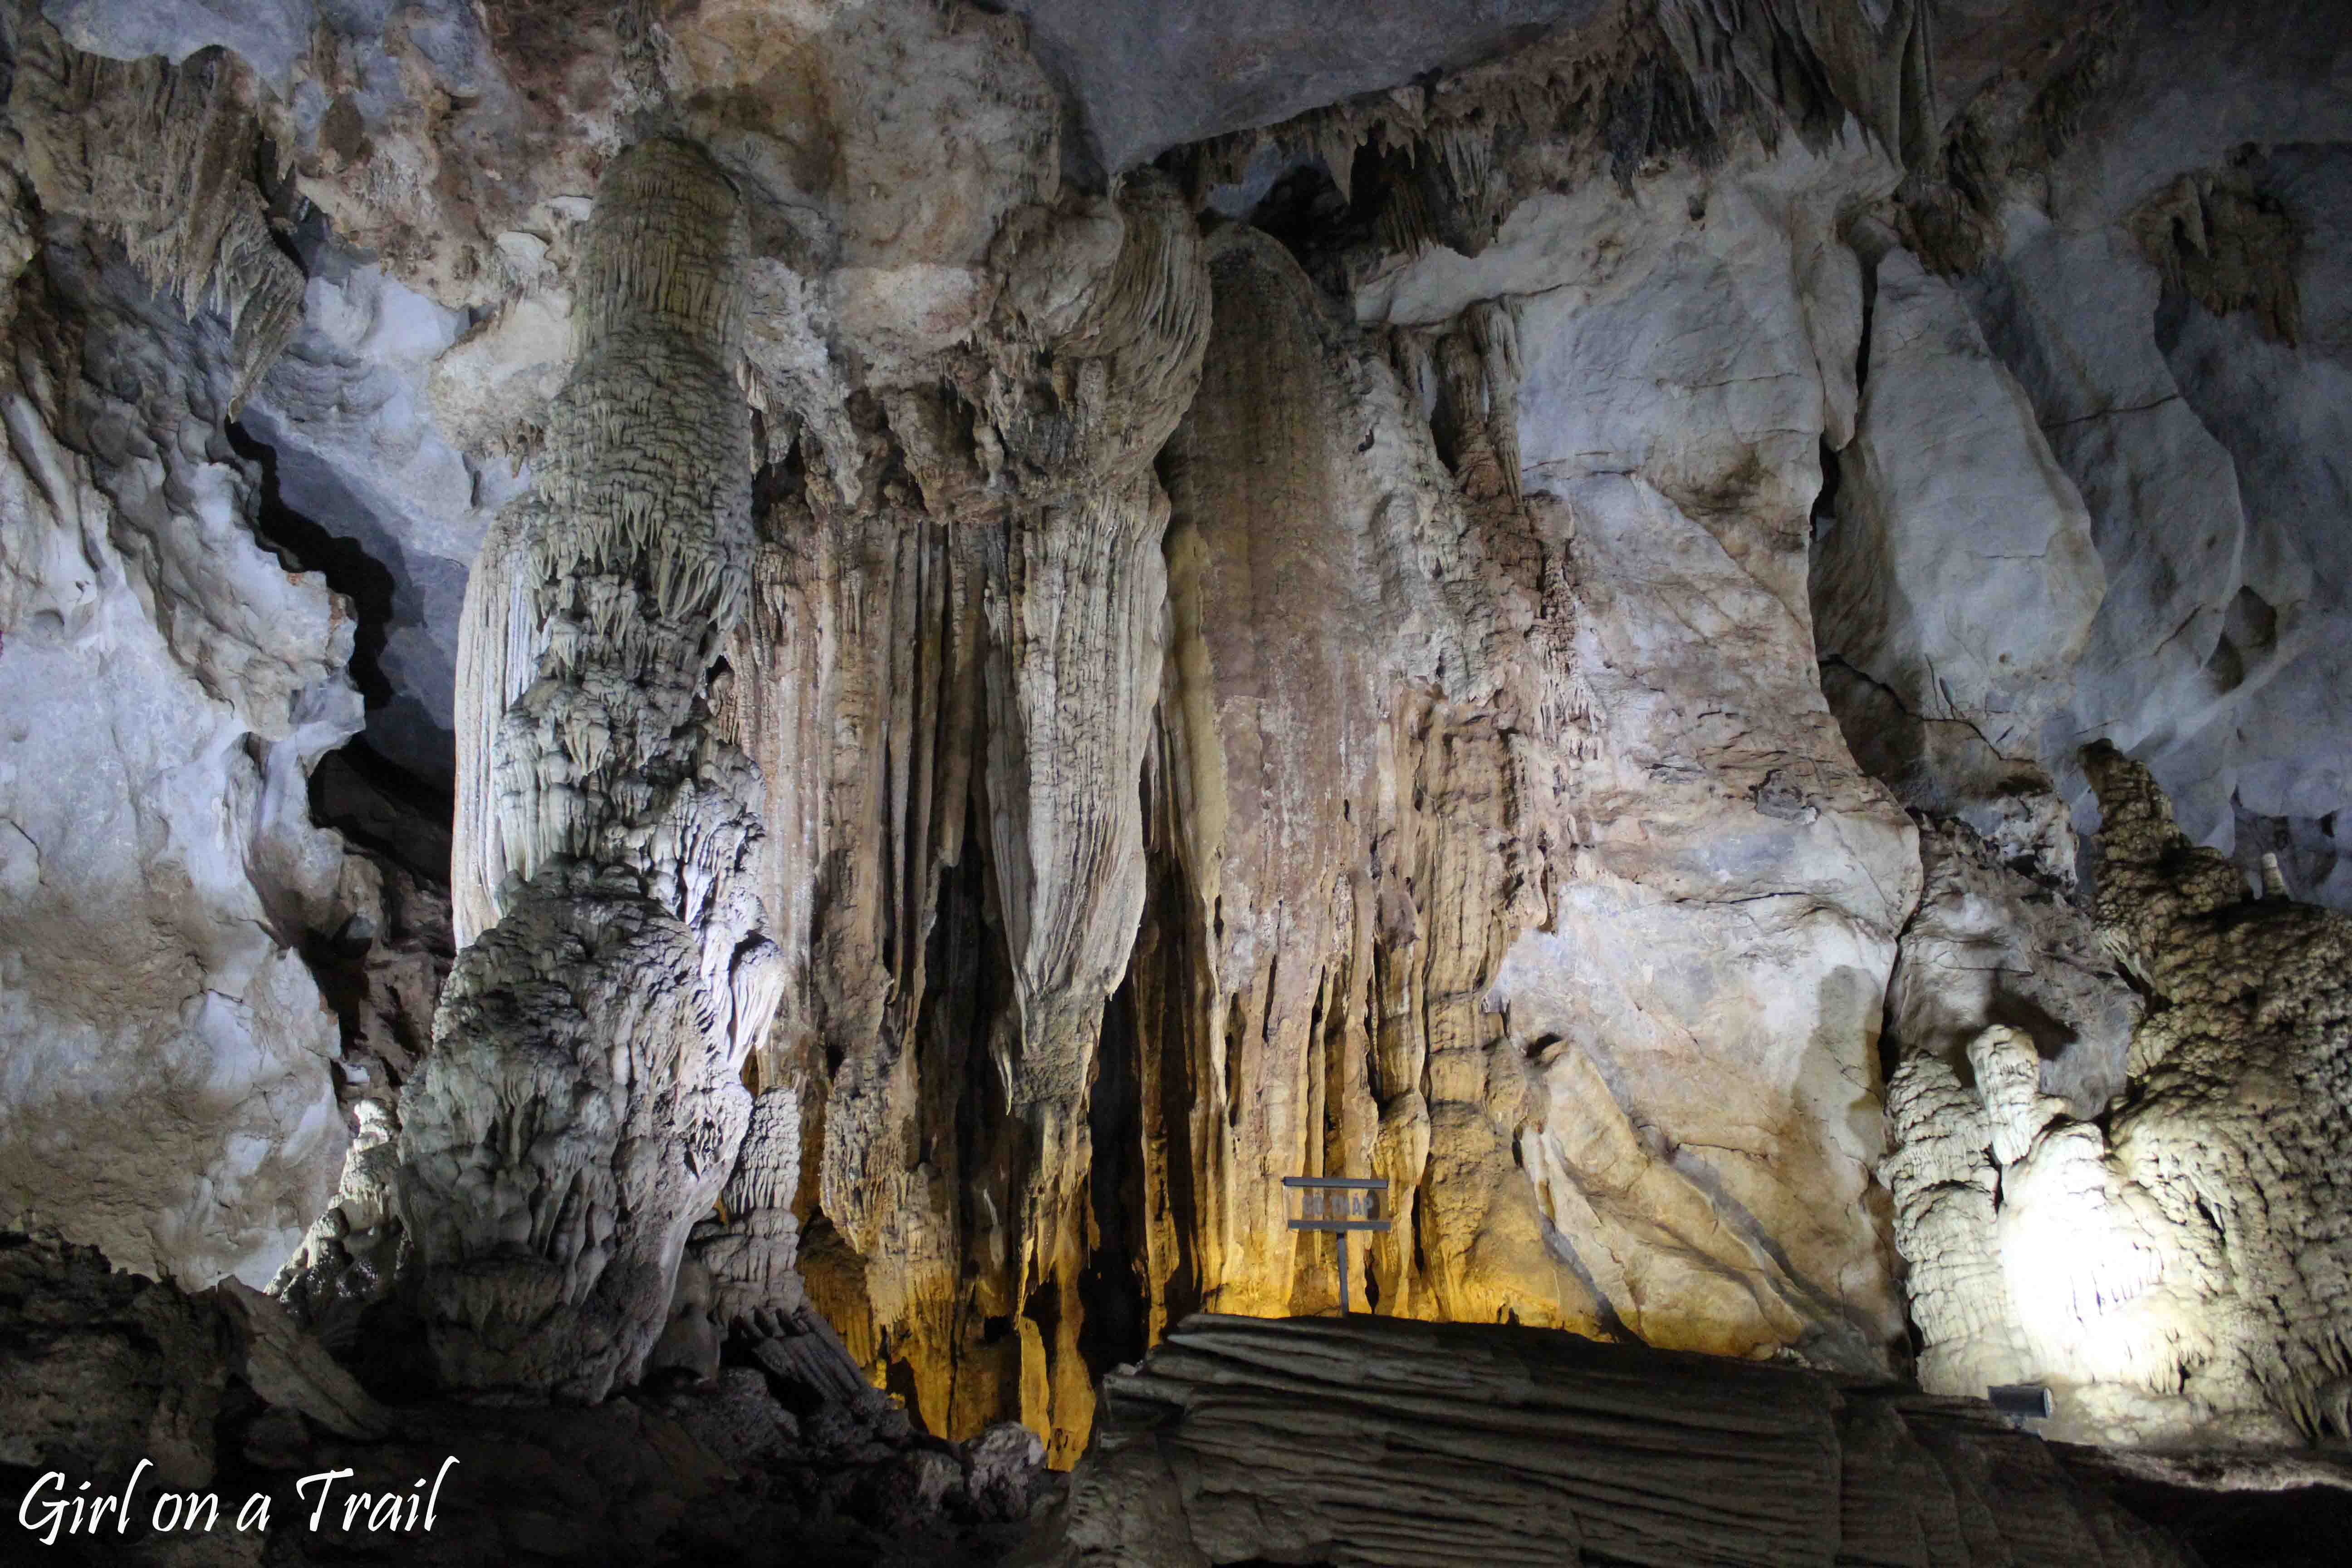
166,683
1404,904
2130,260
1396,639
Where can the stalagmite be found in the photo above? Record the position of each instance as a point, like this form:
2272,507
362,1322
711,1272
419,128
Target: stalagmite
1031,621
584,1101
2182,1266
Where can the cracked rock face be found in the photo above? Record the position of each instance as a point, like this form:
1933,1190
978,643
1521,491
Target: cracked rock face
1955,581
2160,289
164,684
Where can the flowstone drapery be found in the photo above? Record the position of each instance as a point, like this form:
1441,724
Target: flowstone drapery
583,1104
955,678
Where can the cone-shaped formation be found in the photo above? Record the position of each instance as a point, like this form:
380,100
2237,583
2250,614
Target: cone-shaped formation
583,1103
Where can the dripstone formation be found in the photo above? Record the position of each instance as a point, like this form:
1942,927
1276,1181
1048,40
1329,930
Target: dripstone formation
584,1101
2175,1261
756,702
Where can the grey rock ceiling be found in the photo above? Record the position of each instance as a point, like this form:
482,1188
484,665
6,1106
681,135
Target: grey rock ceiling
2221,668
1145,76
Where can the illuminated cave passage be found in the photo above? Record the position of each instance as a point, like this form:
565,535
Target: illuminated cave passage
726,724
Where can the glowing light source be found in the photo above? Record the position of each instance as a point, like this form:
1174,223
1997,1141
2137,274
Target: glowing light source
2030,1400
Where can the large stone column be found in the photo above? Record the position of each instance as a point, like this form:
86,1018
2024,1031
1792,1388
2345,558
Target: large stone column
584,1103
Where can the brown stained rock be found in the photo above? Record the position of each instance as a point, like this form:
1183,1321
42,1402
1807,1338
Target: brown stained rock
1335,837
157,155
101,1370
953,648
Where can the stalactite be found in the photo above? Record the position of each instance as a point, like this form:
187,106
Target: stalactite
1073,636
1336,812
950,664
161,157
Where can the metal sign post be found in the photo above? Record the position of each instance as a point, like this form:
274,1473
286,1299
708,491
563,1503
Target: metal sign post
1340,1205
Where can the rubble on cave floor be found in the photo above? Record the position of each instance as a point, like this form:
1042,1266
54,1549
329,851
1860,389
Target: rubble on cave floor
222,1393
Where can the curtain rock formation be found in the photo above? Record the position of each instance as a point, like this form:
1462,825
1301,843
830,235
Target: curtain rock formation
1505,601
952,690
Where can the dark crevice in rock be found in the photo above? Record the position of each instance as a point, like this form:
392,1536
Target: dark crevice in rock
384,808
1655,111
1112,1285
305,544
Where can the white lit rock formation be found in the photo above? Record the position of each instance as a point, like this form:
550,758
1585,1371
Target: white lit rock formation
167,684
2179,1266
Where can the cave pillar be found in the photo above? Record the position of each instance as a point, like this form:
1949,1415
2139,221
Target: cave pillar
1074,623
584,1101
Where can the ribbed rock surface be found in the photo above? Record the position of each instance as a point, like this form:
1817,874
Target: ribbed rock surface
582,1103
1409,1446
950,696
1394,640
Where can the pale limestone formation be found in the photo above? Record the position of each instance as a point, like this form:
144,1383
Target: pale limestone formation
1207,706
1378,773
976,695
2180,1268
1411,1446
164,685
356,446
2150,273
1991,945
1722,890
583,1104
749,1247
1954,586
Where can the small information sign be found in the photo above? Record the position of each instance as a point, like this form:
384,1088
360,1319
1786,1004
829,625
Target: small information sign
1337,1204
